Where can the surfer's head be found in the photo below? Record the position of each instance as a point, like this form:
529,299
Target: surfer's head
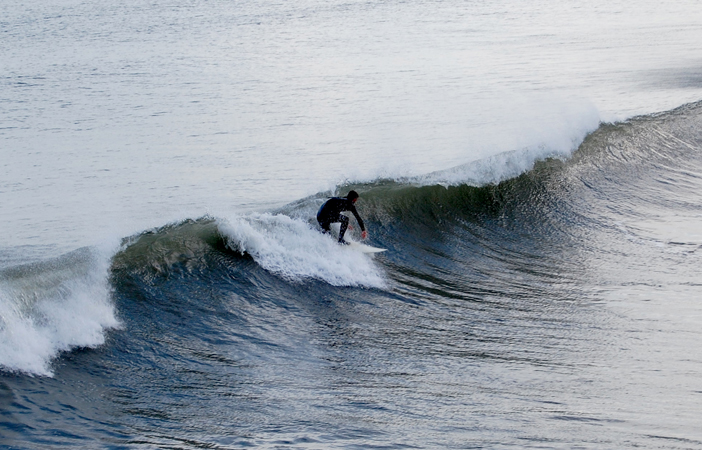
352,195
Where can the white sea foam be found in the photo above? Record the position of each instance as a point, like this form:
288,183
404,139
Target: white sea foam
294,250
47,308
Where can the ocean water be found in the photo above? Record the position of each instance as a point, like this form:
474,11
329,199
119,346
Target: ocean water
533,168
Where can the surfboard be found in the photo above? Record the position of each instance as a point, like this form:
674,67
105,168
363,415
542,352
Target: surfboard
363,248
357,246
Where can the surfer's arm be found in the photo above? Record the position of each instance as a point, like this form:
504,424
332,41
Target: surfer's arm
358,218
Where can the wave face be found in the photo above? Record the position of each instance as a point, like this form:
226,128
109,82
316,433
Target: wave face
492,317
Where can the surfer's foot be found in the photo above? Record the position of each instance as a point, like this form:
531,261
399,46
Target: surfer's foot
343,242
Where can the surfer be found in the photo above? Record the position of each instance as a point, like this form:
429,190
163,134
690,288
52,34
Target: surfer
331,210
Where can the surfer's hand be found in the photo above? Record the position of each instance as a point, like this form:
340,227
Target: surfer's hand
364,234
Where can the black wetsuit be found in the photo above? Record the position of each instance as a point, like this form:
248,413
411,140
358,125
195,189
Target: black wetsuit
330,212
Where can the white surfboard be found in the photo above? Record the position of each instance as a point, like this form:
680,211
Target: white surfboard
357,246
363,248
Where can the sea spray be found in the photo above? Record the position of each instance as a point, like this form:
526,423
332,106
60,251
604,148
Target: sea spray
556,131
294,250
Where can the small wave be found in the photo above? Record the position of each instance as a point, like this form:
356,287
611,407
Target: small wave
289,247
54,306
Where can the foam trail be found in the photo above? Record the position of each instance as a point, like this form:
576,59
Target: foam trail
54,306
292,249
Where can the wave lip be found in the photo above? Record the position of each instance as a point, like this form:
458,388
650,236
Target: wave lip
53,306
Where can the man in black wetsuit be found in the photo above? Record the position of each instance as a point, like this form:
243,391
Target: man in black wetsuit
330,212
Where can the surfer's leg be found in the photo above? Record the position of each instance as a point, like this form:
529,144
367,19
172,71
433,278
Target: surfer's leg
344,225
325,226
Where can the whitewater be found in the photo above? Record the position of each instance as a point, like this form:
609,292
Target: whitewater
532,168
